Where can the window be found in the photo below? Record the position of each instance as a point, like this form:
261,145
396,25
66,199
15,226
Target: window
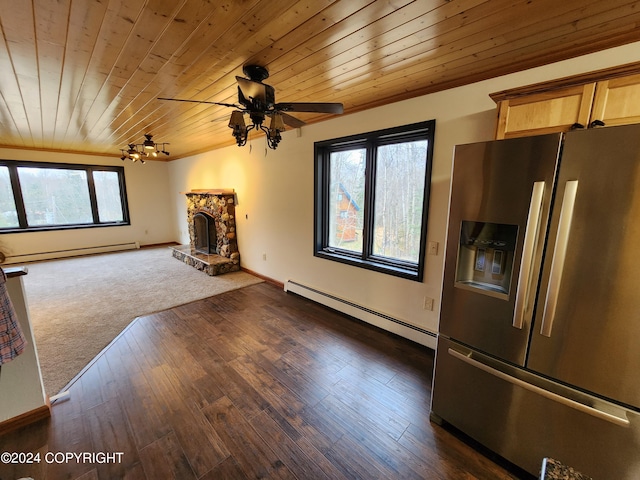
371,199
53,196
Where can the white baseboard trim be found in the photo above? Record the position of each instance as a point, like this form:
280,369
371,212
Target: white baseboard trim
33,257
381,320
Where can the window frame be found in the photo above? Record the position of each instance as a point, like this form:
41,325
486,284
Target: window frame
23,226
370,141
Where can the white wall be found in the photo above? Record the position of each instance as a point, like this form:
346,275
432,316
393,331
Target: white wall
275,192
150,208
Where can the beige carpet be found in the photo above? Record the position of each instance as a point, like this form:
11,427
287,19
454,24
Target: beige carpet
78,305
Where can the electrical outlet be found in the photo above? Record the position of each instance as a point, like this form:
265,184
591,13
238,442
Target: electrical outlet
264,256
433,248
428,303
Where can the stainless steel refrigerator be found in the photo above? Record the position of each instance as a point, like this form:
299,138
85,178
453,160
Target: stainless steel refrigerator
539,346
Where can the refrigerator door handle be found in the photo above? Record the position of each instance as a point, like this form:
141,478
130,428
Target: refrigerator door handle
616,420
528,252
559,254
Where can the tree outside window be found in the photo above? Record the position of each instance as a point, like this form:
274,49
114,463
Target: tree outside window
8,212
372,194
52,196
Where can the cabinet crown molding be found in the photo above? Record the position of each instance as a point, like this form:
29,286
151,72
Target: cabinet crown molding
574,80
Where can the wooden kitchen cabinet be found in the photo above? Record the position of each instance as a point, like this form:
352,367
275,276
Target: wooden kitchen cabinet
546,112
617,101
561,106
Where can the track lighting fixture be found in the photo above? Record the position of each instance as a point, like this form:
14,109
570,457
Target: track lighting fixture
146,149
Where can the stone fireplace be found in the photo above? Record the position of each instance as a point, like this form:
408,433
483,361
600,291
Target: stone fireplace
213,245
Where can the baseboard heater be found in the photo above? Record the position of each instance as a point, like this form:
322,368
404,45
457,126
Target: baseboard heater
381,320
33,257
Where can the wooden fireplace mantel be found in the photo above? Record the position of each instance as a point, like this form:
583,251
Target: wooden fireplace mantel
210,191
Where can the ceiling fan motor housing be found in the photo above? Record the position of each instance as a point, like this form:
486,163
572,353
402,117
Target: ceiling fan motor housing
256,73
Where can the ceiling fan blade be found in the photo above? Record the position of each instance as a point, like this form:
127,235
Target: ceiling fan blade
250,88
317,107
221,118
292,121
260,92
244,101
201,101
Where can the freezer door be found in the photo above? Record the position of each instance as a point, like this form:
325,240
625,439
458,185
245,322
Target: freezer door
587,320
500,203
525,418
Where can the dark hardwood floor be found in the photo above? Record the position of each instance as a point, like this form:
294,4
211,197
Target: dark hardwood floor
254,383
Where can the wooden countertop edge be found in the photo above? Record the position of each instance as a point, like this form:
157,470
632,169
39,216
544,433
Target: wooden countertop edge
25,419
15,271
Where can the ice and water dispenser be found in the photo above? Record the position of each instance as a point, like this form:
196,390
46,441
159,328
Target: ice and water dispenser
485,257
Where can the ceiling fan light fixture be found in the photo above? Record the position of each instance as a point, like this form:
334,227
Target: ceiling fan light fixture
240,131
277,123
237,120
275,127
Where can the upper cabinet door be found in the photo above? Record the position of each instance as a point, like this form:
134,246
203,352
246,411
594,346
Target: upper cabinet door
546,112
617,101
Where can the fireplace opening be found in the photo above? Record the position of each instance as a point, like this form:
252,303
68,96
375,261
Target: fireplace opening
204,228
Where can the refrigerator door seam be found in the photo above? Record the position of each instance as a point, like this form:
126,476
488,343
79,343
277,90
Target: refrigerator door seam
623,422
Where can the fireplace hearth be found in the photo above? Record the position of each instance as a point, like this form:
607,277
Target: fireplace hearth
213,245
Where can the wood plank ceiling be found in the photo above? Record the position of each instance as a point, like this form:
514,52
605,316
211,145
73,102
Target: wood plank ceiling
84,75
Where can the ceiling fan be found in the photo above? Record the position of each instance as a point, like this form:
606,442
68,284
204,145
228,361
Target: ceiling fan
257,100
